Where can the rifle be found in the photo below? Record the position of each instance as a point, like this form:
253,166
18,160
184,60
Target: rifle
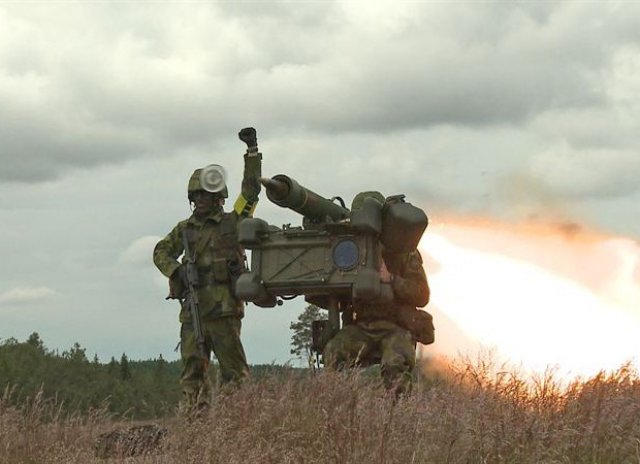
191,298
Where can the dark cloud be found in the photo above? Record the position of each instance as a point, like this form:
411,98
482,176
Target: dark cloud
42,148
150,81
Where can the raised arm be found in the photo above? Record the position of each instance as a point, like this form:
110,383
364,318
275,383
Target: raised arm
247,201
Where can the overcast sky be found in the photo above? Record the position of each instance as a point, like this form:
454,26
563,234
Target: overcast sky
510,110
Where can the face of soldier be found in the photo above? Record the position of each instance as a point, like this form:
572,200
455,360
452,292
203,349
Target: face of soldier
205,203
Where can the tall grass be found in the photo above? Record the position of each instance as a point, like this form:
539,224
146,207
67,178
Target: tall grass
466,413
39,431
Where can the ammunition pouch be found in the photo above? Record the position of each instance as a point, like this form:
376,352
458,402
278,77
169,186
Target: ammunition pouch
419,323
235,267
220,270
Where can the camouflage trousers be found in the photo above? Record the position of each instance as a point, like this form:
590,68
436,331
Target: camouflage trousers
366,343
222,336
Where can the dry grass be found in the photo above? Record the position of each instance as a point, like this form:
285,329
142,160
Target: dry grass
470,413
39,431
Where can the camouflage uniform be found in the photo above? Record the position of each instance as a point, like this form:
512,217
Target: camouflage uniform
378,332
218,258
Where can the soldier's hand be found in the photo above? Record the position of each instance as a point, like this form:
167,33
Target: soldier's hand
181,274
176,285
248,136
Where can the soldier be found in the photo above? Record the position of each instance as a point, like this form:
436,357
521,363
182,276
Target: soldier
211,234
386,333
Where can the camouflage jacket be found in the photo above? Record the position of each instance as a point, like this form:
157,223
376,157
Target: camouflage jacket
217,255
410,289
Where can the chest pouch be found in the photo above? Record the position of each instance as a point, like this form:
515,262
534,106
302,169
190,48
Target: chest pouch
220,270
227,254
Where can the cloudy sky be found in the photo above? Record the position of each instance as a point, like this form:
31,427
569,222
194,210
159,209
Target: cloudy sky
509,110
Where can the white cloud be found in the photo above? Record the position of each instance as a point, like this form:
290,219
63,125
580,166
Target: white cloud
20,295
140,251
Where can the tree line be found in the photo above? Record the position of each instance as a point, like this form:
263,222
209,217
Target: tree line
126,388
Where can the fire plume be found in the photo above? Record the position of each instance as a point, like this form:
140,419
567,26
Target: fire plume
538,296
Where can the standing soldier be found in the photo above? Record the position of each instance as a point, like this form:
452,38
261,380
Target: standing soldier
204,279
383,332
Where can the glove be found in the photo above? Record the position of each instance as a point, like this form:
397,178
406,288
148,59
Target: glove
177,286
248,136
182,274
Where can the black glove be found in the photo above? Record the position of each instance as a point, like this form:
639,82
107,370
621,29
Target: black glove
248,136
181,274
177,284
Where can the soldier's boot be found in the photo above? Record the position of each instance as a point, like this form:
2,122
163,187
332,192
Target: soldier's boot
187,401
203,402
196,400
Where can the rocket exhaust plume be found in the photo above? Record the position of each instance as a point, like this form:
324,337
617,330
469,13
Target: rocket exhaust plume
537,296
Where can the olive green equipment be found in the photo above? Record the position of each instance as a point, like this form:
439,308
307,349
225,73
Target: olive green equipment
332,259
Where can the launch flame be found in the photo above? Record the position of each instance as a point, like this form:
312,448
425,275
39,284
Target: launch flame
537,296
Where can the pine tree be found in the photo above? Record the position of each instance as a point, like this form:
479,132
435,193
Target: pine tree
112,367
76,353
125,372
301,339
160,368
35,341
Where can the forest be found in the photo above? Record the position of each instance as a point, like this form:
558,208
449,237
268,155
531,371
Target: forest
137,389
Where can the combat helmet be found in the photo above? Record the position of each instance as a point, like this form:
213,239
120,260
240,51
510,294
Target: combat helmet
358,200
211,178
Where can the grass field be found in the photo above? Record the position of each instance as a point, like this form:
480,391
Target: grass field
461,413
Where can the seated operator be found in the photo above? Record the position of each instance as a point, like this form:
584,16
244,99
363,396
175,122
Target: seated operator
382,330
